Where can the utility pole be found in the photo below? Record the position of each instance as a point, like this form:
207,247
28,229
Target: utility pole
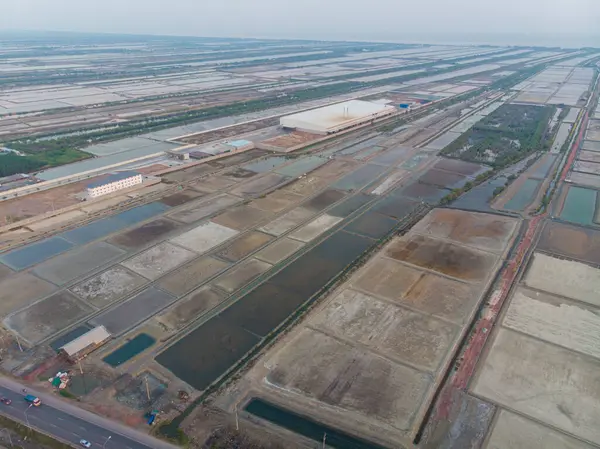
104,445
19,343
147,389
237,421
27,417
324,438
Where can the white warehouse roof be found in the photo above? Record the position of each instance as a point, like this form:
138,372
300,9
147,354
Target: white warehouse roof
336,117
92,337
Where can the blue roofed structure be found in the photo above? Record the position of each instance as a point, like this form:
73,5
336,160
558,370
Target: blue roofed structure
113,178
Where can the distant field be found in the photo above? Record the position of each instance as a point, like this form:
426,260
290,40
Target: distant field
505,136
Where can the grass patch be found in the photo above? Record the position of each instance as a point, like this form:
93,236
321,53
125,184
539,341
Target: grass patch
67,394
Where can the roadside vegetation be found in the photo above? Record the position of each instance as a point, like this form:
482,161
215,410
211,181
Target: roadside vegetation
24,437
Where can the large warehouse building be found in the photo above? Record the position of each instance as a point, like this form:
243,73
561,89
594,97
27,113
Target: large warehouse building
336,117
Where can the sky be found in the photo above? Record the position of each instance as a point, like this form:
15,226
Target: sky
527,22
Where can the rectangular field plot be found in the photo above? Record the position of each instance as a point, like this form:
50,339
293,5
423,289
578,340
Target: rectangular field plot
20,290
555,320
591,145
301,166
443,179
277,201
372,225
444,257
315,228
567,278
107,287
158,260
395,206
424,292
580,206
347,382
260,185
585,179
205,237
515,432
133,311
145,234
244,246
587,167
350,205
76,263
591,156
323,200
461,167
193,306
543,381
192,274
407,337
241,274
524,196
47,317
571,241
34,253
484,231
179,198
288,221
359,178
425,192
241,217
263,309
207,352
279,250
204,208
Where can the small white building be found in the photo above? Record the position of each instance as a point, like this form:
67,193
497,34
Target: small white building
114,182
85,343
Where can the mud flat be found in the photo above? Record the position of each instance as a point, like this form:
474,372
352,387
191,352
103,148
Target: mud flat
279,250
571,241
20,290
545,382
47,317
514,431
241,217
158,260
485,231
107,287
145,234
563,277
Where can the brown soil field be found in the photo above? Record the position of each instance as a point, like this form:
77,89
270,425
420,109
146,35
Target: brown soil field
292,139
443,257
484,231
39,203
231,131
571,241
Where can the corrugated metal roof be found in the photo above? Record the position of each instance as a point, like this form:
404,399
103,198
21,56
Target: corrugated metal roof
113,178
93,337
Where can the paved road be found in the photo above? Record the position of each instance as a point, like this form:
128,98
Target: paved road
70,423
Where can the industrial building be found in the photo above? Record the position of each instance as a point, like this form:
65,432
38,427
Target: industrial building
336,117
86,343
114,182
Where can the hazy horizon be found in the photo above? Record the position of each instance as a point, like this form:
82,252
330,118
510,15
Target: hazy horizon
567,23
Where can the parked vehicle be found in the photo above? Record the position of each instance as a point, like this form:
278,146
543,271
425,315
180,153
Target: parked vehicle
85,443
33,400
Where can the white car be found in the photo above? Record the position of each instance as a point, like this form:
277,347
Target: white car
85,443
